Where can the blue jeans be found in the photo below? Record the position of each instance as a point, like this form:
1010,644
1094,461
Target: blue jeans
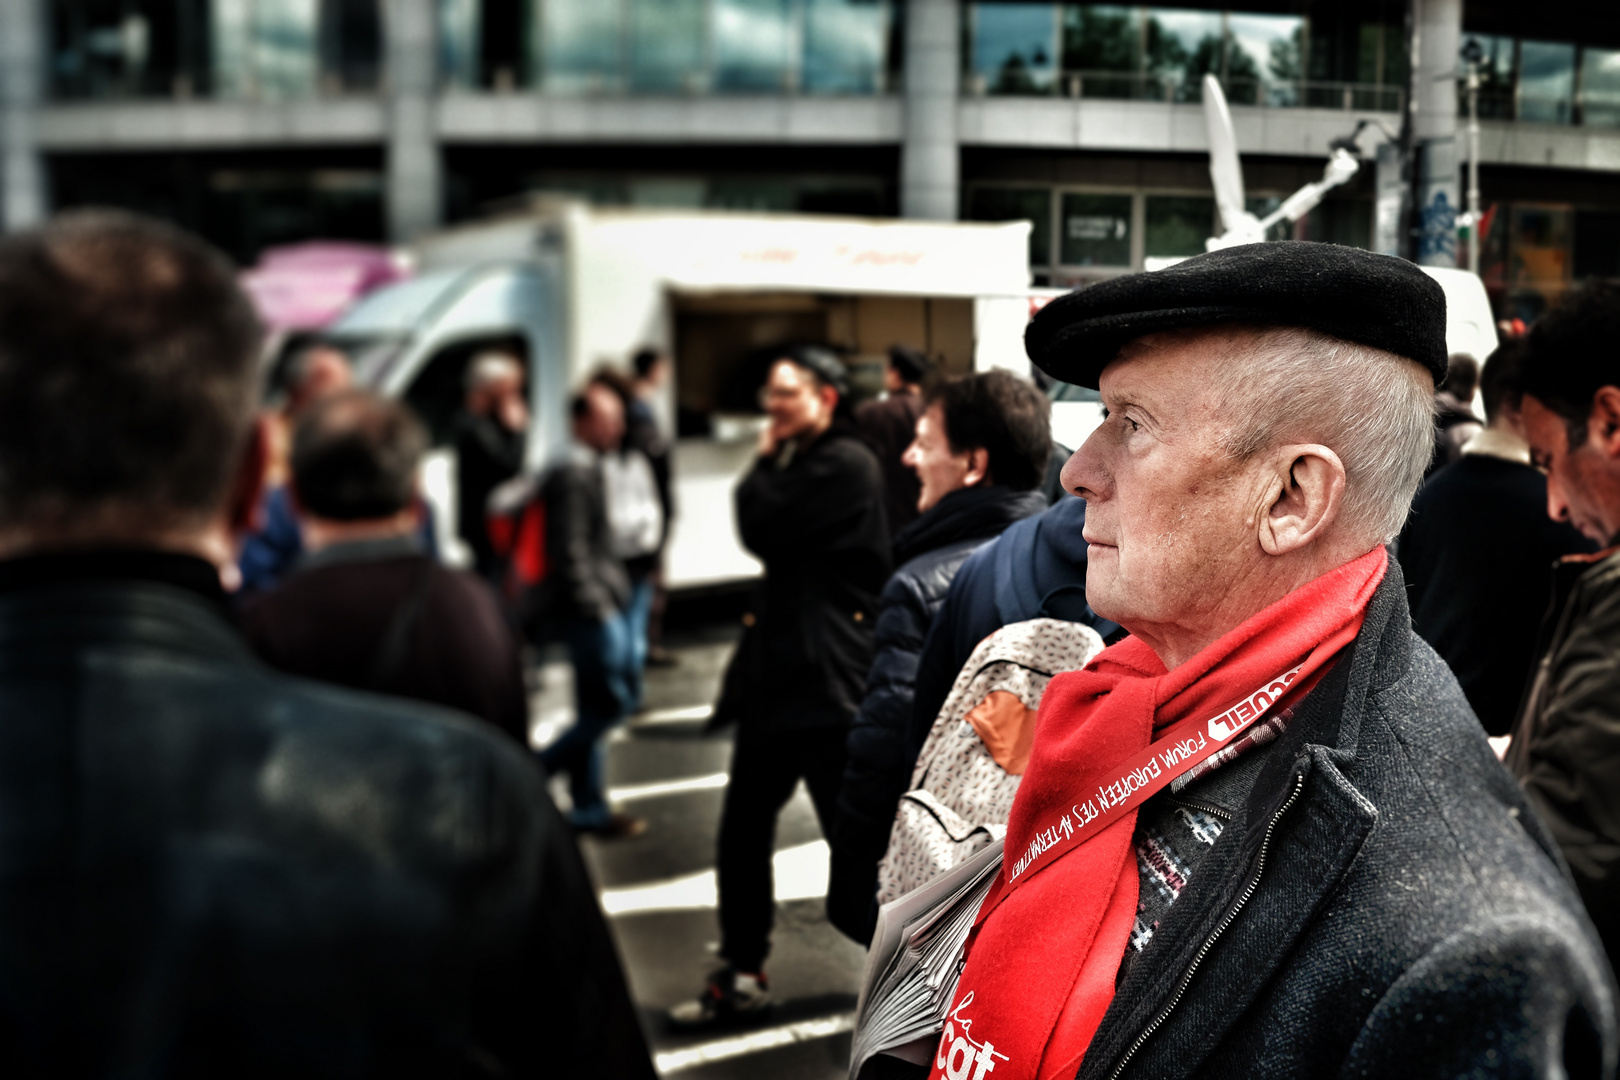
605,688
636,616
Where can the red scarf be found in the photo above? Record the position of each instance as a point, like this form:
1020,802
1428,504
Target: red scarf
1049,938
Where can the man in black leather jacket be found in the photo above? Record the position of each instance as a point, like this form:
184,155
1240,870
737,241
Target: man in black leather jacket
207,868
980,452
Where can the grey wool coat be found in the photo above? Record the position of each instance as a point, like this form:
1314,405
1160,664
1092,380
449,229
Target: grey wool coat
1384,902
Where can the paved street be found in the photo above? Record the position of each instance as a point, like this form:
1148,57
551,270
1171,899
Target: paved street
659,888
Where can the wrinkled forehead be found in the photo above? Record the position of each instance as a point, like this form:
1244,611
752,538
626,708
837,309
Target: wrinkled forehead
1184,368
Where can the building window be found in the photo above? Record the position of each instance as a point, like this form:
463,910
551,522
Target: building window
577,45
1033,205
687,46
846,45
275,49
1095,230
1015,47
1600,87
1546,82
753,45
1178,225
1162,54
668,42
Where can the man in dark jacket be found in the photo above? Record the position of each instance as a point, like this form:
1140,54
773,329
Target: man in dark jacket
490,434
1329,873
1034,570
1454,420
980,455
887,426
213,869
811,509
367,607
1477,554
583,600
1566,743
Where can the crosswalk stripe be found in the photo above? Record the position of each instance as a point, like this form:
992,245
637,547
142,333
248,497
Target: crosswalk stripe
687,715
632,792
800,873
672,1061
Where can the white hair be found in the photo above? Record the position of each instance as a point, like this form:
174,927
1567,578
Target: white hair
492,367
1373,408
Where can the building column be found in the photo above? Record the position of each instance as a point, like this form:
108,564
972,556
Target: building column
415,188
930,164
23,198
1438,25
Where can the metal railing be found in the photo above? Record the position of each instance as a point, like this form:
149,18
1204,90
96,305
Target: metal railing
1185,88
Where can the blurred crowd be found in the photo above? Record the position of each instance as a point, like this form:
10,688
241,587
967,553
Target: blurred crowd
272,808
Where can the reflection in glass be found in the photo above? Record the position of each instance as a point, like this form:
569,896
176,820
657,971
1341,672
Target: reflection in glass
458,42
575,44
1183,46
1270,47
231,29
666,44
1178,225
1096,230
1033,205
1015,47
264,48
845,45
1102,44
753,45
1600,87
1497,70
1546,82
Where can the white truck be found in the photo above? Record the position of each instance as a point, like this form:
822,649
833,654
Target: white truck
569,288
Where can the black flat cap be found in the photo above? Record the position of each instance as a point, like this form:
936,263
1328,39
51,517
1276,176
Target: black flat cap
1343,292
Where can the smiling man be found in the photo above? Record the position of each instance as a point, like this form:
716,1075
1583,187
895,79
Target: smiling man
1566,746
1264,835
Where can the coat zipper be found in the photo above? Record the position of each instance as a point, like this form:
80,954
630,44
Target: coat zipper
1209,942
1203,808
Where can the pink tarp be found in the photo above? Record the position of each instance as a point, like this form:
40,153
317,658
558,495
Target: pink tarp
307,286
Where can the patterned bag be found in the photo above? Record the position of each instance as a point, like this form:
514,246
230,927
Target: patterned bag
970,766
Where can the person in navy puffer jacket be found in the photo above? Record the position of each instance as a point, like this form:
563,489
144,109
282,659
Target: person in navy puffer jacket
980,451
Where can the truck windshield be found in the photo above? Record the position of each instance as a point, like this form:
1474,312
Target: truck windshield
1062,391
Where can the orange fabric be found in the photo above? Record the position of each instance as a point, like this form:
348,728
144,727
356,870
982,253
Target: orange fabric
1006,728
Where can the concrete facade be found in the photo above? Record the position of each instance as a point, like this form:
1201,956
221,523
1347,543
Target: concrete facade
413,119
23,196
929,158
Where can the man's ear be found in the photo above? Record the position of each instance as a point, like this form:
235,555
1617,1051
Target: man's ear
1604,420
1303,499
247,487
978,470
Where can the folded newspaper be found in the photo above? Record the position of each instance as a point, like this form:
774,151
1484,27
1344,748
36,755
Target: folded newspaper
914,961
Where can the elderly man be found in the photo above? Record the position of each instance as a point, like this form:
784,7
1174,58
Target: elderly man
490,434
367,607
1264,835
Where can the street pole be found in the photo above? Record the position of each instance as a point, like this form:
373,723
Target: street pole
1472,52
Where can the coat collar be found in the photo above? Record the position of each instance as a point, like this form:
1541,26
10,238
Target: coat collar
1312,848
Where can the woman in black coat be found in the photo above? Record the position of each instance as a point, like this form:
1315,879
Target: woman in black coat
980,451
811,509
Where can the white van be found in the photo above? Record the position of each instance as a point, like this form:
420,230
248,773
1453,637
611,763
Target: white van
569,288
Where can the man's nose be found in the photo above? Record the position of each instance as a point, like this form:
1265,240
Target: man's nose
1557,504
1082,474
